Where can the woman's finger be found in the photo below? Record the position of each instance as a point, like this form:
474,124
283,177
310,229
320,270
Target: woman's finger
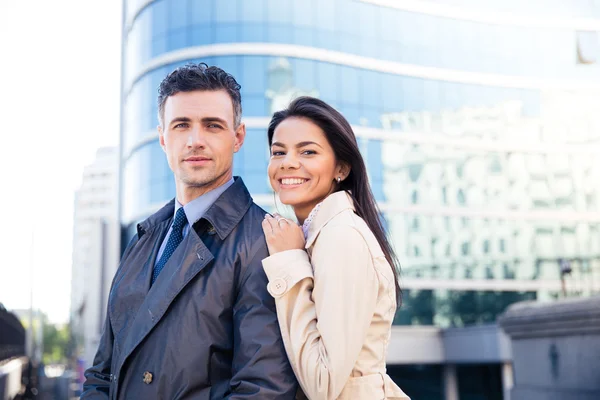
273,223
282,222
266,226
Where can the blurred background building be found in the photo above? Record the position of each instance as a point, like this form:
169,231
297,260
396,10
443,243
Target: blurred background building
478,122
95,251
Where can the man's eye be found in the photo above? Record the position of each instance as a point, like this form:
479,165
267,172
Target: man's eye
215,126
181,125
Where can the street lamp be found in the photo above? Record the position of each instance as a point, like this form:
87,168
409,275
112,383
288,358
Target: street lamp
565,269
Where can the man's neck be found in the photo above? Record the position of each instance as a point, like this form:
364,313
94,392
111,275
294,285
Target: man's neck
187,193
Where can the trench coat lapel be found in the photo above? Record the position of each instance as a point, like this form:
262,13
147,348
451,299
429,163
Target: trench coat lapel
190,257
137,275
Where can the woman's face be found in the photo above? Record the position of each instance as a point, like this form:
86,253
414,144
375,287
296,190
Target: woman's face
303,169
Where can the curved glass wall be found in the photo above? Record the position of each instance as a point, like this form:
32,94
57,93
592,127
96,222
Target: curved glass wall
533,8
492,186
364,29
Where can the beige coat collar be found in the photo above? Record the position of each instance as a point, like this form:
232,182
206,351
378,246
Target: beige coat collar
333,205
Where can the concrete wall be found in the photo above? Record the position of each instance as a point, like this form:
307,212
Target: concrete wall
482,344
556,349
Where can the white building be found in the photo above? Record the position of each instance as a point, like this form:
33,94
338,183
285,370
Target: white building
95,250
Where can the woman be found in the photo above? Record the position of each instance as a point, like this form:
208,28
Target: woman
333,278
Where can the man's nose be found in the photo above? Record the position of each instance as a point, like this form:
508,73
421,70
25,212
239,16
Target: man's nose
196,138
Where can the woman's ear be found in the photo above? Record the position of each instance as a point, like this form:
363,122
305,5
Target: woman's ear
343,170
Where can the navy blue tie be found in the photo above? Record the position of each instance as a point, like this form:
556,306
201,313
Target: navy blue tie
174,239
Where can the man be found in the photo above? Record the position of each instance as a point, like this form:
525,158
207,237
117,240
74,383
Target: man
189,315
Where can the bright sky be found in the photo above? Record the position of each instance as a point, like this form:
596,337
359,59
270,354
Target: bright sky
59,102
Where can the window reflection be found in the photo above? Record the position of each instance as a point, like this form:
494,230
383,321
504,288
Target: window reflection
201,12
226,33
451,308
458,169
367,30
253,11
225,11
279,11
435,174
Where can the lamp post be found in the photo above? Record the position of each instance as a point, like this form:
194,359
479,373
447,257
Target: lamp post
29,341
565,269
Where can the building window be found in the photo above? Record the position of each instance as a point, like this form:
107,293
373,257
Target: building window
587,47
465,248
415,224
461,197
415,197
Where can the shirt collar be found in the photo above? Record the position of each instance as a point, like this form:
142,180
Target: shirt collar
195,209
308,220
223,215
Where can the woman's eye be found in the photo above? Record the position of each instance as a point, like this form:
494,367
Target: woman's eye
309,152
277,153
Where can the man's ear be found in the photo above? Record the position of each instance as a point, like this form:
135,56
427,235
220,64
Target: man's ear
240,136
161,137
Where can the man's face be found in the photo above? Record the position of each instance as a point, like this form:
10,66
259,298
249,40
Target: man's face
199,137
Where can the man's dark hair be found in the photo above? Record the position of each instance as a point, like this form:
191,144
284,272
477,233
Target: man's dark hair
200,76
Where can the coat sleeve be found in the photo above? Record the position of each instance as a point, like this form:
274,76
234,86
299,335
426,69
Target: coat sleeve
260,368
98,378
324,317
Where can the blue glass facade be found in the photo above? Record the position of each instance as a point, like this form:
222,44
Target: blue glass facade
478,132
360,28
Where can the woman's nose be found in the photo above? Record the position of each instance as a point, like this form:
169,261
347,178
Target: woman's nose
290,161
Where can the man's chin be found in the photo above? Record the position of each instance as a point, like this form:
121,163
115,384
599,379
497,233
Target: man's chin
196,182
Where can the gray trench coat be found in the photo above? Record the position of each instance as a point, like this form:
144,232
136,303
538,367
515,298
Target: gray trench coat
207,328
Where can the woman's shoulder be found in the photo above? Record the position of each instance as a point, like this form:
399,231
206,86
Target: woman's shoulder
346,220
347,229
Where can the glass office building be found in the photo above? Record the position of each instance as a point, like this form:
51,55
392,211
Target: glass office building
477,118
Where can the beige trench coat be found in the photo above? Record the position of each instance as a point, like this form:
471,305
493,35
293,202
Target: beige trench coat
335,306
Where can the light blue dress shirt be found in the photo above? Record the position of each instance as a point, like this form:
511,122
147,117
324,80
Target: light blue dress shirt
194,210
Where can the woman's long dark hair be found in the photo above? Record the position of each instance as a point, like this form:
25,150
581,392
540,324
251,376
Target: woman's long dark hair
340,136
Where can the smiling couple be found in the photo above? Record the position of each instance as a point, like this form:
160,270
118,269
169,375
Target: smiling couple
215,299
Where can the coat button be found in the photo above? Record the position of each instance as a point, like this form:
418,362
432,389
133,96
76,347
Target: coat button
147,378
277,287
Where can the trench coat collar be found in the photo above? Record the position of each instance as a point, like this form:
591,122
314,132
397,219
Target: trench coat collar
333,205
224,214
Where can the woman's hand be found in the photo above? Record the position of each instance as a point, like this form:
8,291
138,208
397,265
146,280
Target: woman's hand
282,234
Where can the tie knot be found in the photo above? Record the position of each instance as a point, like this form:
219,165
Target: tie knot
180,219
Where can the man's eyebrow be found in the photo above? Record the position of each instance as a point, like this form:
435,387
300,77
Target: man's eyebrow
179,119
214,119
204,120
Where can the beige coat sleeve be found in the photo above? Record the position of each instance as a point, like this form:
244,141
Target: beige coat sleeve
324,317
